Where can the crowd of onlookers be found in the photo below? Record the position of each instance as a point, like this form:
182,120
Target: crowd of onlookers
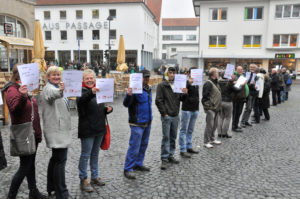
224,100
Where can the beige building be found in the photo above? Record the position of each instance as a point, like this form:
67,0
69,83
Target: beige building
16,32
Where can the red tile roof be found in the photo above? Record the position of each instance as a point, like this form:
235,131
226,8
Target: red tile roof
181,21
153,5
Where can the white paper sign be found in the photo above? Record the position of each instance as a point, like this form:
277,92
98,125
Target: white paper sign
197,74
136,83
179,83
106,87
73,83
29,75
229,71
1,100
257,84
240,81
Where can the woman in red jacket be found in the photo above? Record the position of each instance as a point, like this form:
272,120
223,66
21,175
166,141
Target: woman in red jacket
20,109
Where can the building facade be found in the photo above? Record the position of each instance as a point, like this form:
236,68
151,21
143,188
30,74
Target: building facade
180,40
241,32
16,32
83,29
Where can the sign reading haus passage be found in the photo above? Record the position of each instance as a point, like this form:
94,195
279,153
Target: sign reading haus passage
29,75
179,83
136,83
106,87
73,83
197,74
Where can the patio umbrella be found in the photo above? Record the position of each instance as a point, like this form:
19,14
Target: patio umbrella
122,66
38,52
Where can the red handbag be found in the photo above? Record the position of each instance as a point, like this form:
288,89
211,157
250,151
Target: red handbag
106,140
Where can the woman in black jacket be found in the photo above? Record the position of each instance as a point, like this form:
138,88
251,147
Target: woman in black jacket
265,100
91,130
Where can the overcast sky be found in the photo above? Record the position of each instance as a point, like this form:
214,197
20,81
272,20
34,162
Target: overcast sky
177,9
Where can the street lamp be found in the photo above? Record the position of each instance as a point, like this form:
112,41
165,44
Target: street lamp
109,18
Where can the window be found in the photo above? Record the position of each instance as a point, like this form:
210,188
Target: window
253,13
191,37
217,41
79,34
173,50
164,46
172,37
285,40
113,34
79,14
287,11
95,14
96,35
218,14
63,35
164,56
47,15
63,14
252,41
48,35
179,28
113,13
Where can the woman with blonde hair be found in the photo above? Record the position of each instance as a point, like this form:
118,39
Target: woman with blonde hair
20,104
57,130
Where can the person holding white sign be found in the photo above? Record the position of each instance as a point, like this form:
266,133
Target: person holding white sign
140,118
57,131
91,130
168,104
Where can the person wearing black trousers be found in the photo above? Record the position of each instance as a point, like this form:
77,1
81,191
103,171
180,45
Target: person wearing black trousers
274,86
265,100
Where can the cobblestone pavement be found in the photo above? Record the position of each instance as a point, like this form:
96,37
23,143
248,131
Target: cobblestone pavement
262,162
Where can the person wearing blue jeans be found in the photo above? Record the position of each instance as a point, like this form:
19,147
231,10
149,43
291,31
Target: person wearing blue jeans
91,130
168,103
140,118
189,114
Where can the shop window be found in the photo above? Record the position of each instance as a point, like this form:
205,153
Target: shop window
287,11
173,50
63,14
79,34
79,14
191,37
164,55
217,41
218,14
253,13
96,34
113,34
48,35
95,14
252,41
285,40
63,35
47,15
113,13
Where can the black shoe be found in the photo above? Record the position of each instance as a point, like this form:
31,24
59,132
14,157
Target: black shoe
141,168
254,122
266,119
239,127
185,155
248,124
243,125
228,136
192,151
164,164
237,130
36,194
221,136
129,175
173,160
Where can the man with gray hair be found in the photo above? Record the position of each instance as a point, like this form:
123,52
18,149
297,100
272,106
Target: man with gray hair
212,103
251,98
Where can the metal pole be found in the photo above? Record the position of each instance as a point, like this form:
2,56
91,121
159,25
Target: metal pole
109,47
78,51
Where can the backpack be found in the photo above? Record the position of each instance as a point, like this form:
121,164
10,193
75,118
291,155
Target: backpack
289,81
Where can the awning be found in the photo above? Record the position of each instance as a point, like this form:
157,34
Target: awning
17,42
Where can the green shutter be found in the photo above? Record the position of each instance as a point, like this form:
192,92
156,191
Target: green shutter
246,13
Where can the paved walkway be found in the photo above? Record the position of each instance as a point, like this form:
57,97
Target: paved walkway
262,162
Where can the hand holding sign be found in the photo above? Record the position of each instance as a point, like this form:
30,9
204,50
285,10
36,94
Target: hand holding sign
229,71
136,83
179,83
29,75
196,74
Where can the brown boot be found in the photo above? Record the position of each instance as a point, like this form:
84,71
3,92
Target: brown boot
85,186
97,182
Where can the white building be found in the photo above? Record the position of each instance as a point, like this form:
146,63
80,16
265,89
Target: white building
180,40
241,32
84,23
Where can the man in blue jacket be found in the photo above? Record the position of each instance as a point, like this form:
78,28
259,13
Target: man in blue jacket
140,117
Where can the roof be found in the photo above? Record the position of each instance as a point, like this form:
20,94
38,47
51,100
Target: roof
17,42
153,5
181,21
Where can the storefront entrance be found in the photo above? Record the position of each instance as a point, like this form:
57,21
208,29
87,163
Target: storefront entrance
96,56
216,62
64,57
290,64
50,57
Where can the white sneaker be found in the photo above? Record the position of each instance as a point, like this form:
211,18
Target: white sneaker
208,145
216,142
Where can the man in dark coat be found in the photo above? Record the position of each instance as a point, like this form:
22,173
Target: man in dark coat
3,162
274,86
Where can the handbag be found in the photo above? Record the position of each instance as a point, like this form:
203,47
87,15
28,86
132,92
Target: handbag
22,140
106,139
